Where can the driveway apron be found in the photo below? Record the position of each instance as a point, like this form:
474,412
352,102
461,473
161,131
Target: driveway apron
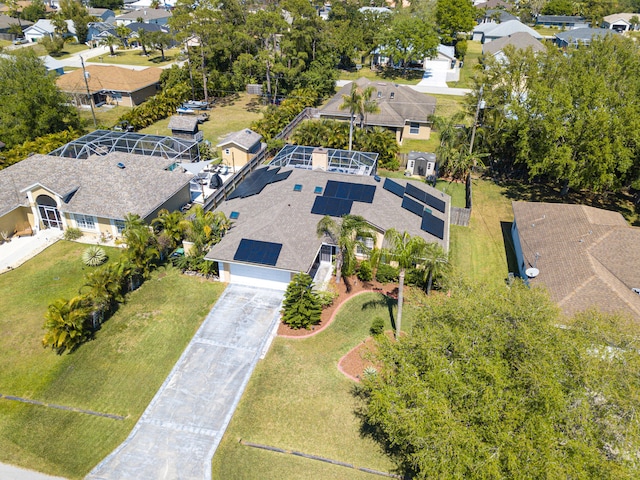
181,428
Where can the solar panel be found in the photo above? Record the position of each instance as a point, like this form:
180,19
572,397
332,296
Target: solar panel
425,197
255,251
393,187
257,180
334,207
432,225
413,206
350,191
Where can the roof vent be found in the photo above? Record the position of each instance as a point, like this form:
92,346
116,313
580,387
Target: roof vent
120,165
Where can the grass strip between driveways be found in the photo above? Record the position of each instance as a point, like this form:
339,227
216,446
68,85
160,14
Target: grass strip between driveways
61,407
120,370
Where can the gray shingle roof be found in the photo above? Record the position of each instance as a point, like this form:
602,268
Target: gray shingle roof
509,28
560,19
583,34
587,255
146,14
183,123
99,187
244,138
281,215
406,104
520,40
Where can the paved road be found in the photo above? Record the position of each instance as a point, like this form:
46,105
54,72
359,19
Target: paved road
181,428
9,472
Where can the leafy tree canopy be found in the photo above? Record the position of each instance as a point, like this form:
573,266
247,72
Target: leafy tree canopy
31,105
110,4
453,16
569,116
488,385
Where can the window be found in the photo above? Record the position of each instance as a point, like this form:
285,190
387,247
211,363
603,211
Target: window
379,94
317,190
297,187
392,95
234,215
414,128
227,151
116,95
368,243
119,224
86,222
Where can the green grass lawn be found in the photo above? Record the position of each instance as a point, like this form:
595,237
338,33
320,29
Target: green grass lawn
455,190
547,31
226,116
68,50
474,51
298,400
483,251
106,116
118,372
135,57
384,75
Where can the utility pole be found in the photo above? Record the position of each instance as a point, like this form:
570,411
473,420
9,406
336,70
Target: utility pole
475,120
86,84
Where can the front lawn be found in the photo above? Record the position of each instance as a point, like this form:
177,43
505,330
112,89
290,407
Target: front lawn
382,75
469,66
298,400
118,372
68,50
106,116
135,56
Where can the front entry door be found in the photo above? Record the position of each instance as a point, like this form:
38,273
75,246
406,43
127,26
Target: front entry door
50,216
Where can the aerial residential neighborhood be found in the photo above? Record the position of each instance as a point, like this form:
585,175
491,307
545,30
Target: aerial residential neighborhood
282,240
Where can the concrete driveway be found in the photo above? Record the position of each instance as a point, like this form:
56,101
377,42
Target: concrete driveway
181,428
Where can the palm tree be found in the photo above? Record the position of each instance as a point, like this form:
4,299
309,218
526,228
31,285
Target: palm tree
66,324
406,251
435,263
141,249
123,32
102,288
110,41
346,236
172,224
359,103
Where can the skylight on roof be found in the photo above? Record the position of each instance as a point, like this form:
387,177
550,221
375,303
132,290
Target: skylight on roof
297,187
234,215
317,190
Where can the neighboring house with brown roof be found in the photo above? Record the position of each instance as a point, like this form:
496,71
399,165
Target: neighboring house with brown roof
519,41
6,23
185,126
238,148
94,194
402,109
585,256
111,85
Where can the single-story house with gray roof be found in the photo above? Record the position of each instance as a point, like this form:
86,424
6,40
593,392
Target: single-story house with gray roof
402,109
185,126
581,36
500,30
93,194
280,219
519,41
562,21
584,256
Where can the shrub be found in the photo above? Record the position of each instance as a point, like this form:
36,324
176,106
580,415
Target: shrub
365,273
94,256
377,326
326,298
386,273
301,305
72,233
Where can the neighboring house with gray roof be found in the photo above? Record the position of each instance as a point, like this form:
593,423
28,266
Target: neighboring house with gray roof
585,256
279,217
238,148
6,23
94,194
497,15
622,22
185,126
519,41
562,21
505,29
402,109
581,36
102,14
45,28
158,16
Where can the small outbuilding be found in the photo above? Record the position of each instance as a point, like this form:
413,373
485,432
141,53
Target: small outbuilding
239,148
185,126
423,164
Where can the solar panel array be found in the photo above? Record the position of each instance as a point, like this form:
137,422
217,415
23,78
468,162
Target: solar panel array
255,251
350,191
393,187
425,197
432,225
334,207
257,180
413,206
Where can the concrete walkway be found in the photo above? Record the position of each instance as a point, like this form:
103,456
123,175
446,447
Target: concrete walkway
20,249
9,472
181,428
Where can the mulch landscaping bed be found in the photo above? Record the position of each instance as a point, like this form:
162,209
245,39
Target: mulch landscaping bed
347,288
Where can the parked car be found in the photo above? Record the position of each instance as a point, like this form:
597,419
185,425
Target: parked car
20,41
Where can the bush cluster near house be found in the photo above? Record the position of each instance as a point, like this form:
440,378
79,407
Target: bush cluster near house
302,306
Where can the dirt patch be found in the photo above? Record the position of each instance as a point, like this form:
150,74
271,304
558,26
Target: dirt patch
347,288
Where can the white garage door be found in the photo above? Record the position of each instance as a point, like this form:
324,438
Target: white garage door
259,276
